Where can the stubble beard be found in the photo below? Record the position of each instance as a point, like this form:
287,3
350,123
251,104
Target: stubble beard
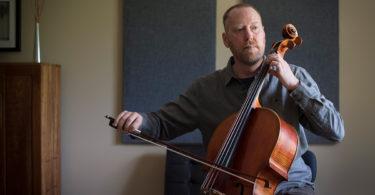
250,59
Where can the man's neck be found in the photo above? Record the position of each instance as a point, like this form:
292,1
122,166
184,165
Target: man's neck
242,70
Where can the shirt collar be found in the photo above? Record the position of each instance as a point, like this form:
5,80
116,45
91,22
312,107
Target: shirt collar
229,74
228,71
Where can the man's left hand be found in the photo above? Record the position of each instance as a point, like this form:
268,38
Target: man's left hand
281,69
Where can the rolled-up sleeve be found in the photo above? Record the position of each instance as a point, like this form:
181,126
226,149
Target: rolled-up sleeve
319,114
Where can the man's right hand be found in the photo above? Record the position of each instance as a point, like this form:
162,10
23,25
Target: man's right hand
128,121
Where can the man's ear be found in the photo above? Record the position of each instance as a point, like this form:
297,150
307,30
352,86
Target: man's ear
225,39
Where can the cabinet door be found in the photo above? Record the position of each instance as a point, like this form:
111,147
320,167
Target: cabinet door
16,145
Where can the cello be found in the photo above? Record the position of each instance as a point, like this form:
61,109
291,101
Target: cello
251,151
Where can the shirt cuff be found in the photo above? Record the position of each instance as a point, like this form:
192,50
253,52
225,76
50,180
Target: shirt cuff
146,125
303,93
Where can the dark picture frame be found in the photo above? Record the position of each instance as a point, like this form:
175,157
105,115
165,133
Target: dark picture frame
10,25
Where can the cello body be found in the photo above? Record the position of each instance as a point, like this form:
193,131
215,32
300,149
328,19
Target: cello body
266,150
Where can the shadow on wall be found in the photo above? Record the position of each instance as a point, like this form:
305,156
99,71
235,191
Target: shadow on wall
143,176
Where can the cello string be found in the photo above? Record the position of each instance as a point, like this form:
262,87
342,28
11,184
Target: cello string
212,175
248,108
242,118
241,114
230,142
239,123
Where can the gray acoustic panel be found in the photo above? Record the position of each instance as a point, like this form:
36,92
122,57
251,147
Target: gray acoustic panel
167,44
317,24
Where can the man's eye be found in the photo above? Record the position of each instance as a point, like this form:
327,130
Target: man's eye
256,29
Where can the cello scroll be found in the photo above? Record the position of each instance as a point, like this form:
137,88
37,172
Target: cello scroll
291,40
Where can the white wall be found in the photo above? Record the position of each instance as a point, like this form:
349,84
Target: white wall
84,36
347,168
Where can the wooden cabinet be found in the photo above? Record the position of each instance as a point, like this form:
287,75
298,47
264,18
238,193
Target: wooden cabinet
29,129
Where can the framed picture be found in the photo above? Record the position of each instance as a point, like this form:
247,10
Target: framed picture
9,25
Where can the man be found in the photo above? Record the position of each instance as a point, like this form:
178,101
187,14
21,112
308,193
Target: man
289,90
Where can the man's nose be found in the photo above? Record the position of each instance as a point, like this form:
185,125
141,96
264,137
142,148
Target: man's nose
249,35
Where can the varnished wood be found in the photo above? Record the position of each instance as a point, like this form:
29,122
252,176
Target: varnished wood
30,129
267,149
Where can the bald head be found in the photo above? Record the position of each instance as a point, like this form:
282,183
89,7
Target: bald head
229,11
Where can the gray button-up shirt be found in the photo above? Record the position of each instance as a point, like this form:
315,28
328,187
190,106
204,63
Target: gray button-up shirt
212,98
